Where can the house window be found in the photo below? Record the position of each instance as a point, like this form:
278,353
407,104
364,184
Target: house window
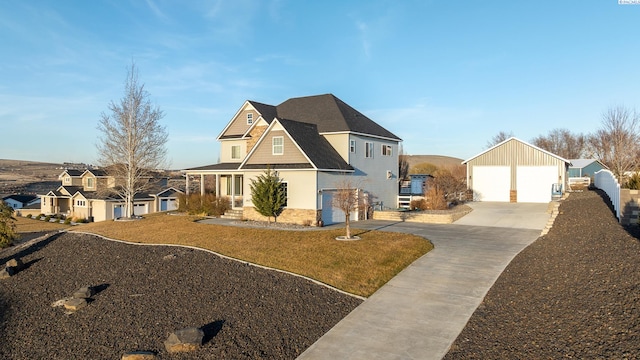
352,146
89,182
238,186
368,149
278,145
284,187
67,180
249,118
386,150
235,152
81,203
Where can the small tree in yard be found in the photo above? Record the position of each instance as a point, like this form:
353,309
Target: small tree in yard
7,225
346,199
268,195
132,144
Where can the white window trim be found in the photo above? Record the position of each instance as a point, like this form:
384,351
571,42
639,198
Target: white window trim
249,118
352,146
273,145
386,150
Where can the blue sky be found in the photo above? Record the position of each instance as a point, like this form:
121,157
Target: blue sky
445,76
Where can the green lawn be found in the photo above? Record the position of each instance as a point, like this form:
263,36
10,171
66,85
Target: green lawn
358,267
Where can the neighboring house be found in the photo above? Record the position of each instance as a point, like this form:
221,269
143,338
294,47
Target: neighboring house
515,171
585,167
313,143
86,194
20,201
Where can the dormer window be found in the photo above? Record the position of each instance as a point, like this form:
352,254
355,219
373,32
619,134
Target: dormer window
90,183
249,118
278,145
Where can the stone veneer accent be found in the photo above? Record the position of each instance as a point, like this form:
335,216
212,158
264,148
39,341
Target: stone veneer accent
513,196
427,216
291,216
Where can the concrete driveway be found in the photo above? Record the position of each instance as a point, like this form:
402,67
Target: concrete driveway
420,312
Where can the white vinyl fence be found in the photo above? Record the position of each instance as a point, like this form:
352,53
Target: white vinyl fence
607,182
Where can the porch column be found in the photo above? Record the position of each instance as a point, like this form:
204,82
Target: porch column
186,190
233,190
217,185
202,184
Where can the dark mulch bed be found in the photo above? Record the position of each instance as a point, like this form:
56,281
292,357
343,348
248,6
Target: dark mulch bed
574,293
146,292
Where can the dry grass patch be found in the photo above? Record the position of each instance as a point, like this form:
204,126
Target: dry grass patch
26,225
358,267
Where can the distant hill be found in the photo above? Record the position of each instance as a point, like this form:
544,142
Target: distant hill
27,177
437,160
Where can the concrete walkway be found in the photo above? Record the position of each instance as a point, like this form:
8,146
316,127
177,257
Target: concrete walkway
420,312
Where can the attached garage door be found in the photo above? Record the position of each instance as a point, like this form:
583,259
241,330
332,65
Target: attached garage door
534,183
168,204
118,211
491,183
139,209
330,213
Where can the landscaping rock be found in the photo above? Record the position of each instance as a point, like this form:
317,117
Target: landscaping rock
15,263
84,292
6,273
184,340
75,304
139,355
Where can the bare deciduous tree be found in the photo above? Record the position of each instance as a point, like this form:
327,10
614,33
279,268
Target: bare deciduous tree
498,138
617,142
562,143
132,141
403,165
346,199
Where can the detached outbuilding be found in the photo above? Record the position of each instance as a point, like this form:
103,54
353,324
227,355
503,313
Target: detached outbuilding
516,171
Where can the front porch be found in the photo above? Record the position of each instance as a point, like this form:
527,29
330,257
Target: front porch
221,179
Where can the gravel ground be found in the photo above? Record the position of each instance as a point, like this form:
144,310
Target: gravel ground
574,293
146,292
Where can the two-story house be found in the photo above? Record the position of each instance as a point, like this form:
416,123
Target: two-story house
86,195
314,144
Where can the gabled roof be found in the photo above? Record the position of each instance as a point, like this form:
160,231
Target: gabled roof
314,147
71,172
24,199
582,163
317,149
96,172
268,112
331,114
518,140
327,112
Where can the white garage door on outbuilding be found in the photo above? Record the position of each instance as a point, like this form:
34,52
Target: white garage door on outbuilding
515,171
534,183
491,183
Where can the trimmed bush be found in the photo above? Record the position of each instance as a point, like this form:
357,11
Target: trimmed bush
29,216
418,204
209,204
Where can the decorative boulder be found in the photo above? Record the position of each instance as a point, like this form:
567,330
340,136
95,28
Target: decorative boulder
16,264
6,273
84,292
75,304
184,340
139,355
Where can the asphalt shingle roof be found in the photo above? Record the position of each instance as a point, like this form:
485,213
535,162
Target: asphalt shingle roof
330,114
